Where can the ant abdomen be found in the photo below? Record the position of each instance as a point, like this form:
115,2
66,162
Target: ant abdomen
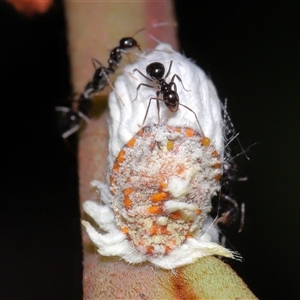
171,100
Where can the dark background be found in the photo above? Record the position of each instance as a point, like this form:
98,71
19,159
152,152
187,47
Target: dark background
250,49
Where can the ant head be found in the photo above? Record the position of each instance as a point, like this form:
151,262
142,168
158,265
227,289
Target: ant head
128,42
156,70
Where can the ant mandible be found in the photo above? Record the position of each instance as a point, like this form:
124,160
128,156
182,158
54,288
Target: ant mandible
156,71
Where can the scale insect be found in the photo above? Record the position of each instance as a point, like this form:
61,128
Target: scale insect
161,177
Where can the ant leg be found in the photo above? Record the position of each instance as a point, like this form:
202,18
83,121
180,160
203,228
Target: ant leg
242,222
83,116
74,128
146,112
62,109
201,131
94,61
170,66
142,74
70,131
158,108
138,87
179,79
118,96
128,53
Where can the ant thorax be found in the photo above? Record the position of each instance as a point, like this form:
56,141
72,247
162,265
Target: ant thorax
163,169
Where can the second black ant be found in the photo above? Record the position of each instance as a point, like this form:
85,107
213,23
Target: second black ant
81,107
156,72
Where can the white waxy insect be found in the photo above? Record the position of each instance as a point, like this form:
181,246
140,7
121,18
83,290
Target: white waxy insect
162,170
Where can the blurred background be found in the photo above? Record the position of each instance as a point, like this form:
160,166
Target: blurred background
250,49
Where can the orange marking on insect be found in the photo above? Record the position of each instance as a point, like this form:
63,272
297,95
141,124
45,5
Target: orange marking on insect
167,250
217,165
189,132
141,132
111,180
180,169
162,182
198,211
154,229
149,250
164,230
131,143
159,197
189,235
170,145
155,210
127,201
205,141
215,153
116,167
124,230
172,243
217,177
175,215
178,129
121,156
152,145
128,191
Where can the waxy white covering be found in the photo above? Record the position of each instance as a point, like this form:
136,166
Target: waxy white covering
127,120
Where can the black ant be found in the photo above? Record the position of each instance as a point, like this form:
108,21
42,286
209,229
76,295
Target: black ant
156,71
81,107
